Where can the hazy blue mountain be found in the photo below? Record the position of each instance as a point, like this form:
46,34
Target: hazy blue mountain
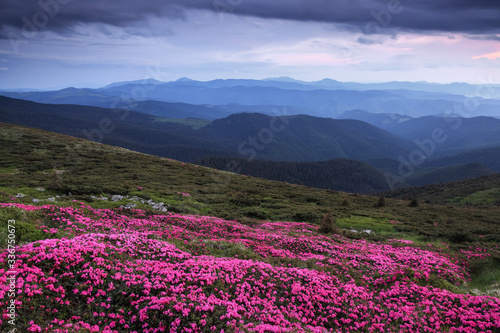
304,138
179,110
91,97
449,134
229,83
322,103
457,88
326,98
65,96
382,120
145,82
132,130
288,138
292,138
489,157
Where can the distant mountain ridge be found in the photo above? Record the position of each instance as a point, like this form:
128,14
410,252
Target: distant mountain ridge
489,157
456,134
457,88
288,138
325,98
381,120
285,138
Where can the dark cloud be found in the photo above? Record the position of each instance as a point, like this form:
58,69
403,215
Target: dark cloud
476,17
486,37
370,16
63,15
366,41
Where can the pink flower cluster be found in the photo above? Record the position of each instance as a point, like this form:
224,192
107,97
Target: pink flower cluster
121,271
476,252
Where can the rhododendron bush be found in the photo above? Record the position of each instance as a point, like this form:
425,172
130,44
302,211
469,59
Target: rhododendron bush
129,271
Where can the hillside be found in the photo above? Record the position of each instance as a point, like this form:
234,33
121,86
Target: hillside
33,158
455,134
104,243
303,138
483,191
338,175
286,138
426,176
489,157
380,120
131,271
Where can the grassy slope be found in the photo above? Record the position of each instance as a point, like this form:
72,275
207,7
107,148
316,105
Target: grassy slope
61,164
33,158
448,174
461,192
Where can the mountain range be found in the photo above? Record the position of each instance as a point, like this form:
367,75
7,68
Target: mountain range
466,146
325,98
408,133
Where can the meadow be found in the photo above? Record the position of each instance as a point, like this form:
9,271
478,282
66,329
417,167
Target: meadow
103,270
232,253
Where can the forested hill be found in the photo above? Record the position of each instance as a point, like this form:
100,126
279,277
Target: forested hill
293,138
482,191
337,174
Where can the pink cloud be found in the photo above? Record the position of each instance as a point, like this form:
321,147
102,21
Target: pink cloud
490,56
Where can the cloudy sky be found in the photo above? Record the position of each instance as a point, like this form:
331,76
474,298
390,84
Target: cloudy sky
88,43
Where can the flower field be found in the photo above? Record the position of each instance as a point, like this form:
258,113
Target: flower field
133,271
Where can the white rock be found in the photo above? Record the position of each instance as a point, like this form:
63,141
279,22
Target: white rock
116,197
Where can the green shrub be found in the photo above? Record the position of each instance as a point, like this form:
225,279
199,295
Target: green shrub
329,225
413,203
54,181
307,216
230,250
459,237
26,232
380,202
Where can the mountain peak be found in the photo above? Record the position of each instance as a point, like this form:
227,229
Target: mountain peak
184,79
282,79
144,81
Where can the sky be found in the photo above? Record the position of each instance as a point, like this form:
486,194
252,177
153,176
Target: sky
52,44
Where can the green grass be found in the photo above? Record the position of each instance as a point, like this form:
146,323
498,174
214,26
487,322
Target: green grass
377,225
485,275
29,192
8,170
23,227
489,196
85,168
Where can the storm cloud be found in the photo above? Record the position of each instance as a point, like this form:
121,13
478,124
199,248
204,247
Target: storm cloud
61,43
479,17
